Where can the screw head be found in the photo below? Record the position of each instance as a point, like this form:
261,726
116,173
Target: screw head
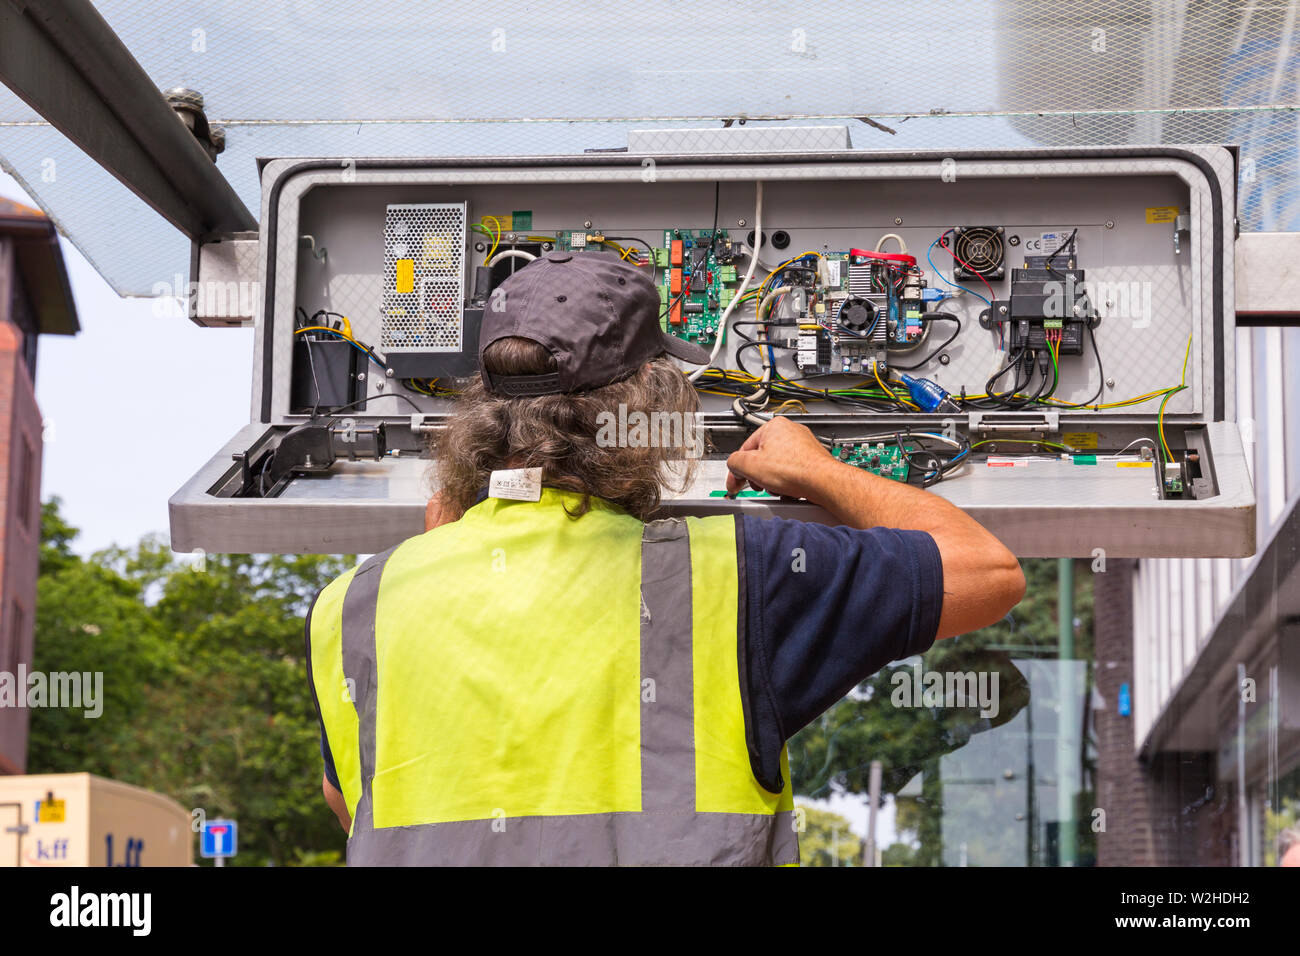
1110,223
944,359
388,372
361,376
1002,310
898,220
586,224
741,222
1110,383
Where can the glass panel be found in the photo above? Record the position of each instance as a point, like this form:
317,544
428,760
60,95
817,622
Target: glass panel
986,744
399,77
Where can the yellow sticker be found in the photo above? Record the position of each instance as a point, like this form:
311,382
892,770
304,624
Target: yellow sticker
405,278
1162,213
50,811
1133,464
1080,439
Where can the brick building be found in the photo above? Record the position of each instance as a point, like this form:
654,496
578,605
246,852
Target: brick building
35,298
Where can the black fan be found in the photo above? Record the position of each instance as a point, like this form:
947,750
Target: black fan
982,251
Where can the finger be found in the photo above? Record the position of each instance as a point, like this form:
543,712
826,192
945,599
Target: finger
736,477
755,439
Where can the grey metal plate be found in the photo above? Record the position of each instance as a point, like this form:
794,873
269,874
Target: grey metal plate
1045,508
829,200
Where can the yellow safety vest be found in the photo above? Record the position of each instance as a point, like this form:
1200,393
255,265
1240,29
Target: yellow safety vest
522,687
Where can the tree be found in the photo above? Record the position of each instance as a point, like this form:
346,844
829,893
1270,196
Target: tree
826,839
206,694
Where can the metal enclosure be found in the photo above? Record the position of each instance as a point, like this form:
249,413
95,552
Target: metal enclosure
1155,234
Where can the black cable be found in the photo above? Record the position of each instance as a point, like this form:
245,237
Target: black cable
339,408
1060,248
654,268
760,345
1013,362
1101,373
932,316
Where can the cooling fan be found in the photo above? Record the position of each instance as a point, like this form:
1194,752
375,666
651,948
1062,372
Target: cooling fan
981,249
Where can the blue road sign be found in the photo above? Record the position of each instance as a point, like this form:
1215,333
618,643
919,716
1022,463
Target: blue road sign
219,839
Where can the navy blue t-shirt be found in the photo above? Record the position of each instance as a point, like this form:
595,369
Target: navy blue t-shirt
823,609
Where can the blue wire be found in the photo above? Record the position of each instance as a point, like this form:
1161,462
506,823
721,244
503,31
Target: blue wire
953,284
956,458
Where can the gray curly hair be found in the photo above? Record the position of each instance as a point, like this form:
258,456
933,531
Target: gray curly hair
559,434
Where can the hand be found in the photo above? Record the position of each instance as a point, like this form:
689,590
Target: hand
436,513
782,457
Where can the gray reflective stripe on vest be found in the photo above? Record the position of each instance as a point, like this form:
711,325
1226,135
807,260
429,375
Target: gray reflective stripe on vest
360,602
667,831
667,674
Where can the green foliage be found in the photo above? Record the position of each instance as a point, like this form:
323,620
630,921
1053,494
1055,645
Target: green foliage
205,687
826,840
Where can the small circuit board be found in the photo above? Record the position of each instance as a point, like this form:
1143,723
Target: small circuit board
696,282
885,460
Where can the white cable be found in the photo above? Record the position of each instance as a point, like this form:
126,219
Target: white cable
510,254
744,286
902,246
889,437
1134,442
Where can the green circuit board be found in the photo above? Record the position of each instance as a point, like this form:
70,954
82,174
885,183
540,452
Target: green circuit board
706,297
885,460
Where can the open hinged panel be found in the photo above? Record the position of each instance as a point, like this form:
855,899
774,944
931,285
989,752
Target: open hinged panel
1067,315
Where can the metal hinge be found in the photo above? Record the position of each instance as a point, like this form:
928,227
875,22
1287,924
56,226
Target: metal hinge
1040,424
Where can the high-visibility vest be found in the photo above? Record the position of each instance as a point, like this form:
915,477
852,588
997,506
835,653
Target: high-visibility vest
525,687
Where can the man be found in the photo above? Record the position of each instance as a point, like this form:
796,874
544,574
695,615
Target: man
546,677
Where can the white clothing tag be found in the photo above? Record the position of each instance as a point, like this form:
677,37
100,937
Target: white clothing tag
516,484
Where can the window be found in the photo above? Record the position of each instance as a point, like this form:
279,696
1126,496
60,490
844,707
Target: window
26,492
17,621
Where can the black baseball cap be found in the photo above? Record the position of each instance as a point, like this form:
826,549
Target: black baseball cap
596,313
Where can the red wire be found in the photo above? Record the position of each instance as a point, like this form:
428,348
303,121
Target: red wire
943,242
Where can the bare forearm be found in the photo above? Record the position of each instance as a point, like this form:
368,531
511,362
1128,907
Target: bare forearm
860,499
981,577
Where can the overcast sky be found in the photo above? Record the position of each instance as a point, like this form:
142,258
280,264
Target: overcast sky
133,405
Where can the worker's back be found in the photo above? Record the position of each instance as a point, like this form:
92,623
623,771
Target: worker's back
546,689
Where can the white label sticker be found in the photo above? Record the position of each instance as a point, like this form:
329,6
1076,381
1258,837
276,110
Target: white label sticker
1048,242
833,273
517,484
